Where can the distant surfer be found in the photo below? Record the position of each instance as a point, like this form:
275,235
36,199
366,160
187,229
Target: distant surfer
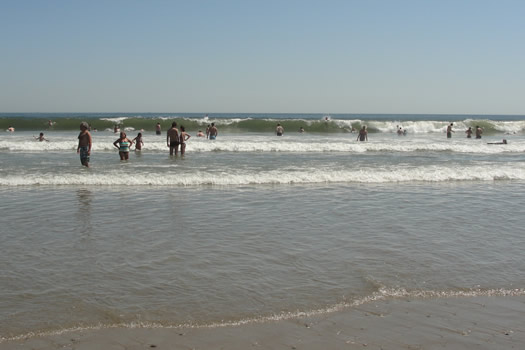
450,131
504,142
279,130
479,131
469,132
363,134
84,144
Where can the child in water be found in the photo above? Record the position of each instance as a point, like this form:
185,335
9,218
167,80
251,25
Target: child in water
184,136
41,138
138,142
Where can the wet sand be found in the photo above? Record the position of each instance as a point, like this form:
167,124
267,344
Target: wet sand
405,323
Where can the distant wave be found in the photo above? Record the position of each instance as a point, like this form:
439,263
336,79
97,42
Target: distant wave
235,177
258,125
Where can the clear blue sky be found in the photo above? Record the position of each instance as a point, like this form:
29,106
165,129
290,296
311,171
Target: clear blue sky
366,56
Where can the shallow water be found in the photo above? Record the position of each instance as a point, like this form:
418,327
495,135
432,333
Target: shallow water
250,226
83,256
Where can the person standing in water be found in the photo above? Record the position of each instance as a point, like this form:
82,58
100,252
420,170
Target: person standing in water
157,129
279,130
184,136
469,132
138,142
479,131
123,144
208,131
213,132
363,134
449,131
172,139
84,144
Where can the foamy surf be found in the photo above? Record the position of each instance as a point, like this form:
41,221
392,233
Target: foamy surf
146,176
266,145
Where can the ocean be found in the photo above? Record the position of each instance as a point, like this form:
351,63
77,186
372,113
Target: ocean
252,227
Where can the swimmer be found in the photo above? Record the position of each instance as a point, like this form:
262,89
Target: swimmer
10,129
213,132
123,146
363,134
469,132
172,139
84,144
208,131
200,134
138,142
450,131
301,129
41,138
184,136
279,130
158,129
479,131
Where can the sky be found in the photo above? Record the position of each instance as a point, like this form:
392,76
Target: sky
263,56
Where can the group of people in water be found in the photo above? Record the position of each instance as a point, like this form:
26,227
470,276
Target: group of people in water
175,139
469,131
361,136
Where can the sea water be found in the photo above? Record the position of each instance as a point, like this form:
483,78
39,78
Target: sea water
251,226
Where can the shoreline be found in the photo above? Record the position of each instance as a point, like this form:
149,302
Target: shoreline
471,322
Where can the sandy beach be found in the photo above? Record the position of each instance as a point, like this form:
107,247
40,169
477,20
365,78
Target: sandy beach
406,323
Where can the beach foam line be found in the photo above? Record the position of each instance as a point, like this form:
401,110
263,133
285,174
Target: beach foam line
382,294
266,145
231,177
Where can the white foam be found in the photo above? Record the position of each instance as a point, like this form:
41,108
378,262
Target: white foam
116,120
236,177
269,144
